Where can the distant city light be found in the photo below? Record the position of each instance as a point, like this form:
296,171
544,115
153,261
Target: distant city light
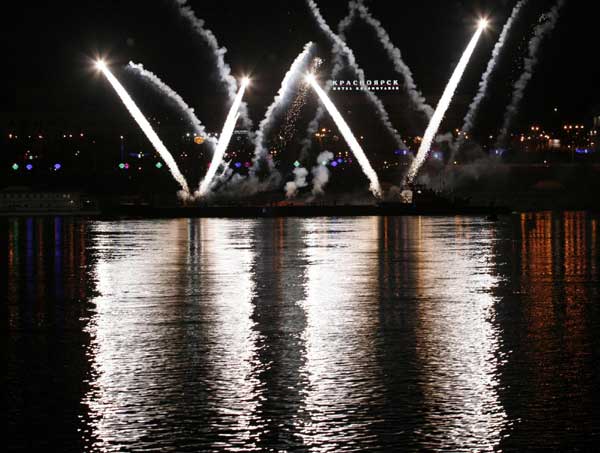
122,166
334,163
29,167
159,165
15,167
238,165
297,164
57,166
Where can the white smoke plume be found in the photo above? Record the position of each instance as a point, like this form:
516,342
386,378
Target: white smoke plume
541,30
219,52
340,46
320,173
485,79
294,76
292,187
171,94
417,99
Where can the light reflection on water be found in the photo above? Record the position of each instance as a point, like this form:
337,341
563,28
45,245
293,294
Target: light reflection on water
302,334
457,345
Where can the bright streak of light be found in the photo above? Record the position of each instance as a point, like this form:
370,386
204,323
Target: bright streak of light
442,108
348,136
483,23
141,120
224,139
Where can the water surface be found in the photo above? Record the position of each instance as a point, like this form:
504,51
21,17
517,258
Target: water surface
354,334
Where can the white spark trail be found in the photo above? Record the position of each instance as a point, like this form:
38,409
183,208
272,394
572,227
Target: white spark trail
224,140
531,60
293,76
224,69
341,46
170,93
471,115
141,120
348,136
442,107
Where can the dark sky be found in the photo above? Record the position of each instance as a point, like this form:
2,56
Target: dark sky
49,47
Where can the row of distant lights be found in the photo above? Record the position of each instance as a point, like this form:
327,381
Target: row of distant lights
29,167
41,137
126,166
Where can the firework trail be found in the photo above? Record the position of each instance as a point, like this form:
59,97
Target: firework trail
348,136
541,30
485,79
443,105
219,53
141,120
224,140
337,66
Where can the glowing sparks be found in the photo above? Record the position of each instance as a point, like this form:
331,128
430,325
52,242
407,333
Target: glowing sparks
282,99
348,136
224,140
442,108
141,120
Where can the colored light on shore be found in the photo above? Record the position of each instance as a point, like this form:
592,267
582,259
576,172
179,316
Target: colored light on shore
57,166
122,166
238,165
159,165
15,167
297,164
29,167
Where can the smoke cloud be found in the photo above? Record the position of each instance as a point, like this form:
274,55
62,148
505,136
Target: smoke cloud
320,173
223,68
292,187
394,54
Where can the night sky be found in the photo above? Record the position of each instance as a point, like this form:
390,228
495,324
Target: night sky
50,47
